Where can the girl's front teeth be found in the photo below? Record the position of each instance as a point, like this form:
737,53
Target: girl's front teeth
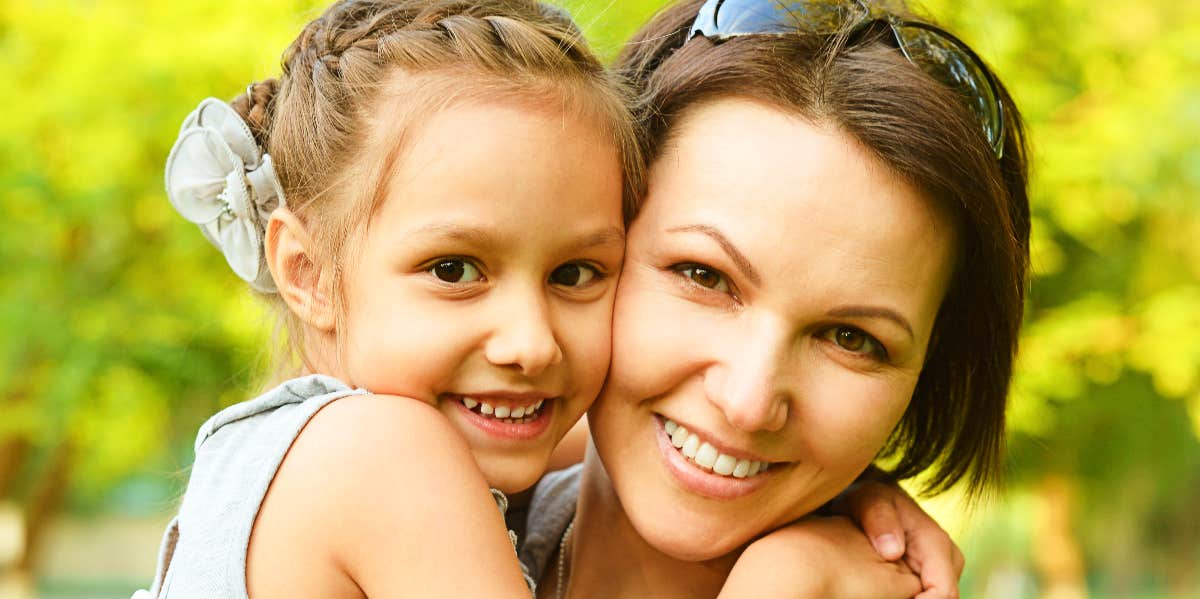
706,456
505,413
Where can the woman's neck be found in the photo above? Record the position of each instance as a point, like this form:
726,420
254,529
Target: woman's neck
608,558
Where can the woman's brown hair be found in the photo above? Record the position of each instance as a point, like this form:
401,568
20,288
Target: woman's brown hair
319,119
920,129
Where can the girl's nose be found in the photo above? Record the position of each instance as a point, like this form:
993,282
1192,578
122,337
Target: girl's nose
524,337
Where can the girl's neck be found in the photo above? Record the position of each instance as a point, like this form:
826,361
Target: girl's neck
608,558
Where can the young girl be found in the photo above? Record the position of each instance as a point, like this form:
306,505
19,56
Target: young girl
433,194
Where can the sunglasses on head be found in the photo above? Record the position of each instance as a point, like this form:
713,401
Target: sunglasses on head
933,50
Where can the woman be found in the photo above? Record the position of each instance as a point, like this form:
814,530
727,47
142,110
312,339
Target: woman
829,267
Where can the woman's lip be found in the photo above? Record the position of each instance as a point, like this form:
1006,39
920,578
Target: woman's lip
519,431
702,482
714,440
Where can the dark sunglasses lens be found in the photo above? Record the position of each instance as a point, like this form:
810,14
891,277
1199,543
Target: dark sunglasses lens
729,18
953,65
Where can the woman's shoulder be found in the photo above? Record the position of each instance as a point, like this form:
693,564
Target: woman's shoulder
551,510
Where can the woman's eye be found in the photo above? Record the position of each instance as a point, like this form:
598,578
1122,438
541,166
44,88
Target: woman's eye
705,276
573,275
454,270
856,341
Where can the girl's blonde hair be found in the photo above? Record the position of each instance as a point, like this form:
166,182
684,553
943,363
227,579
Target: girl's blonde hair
318,120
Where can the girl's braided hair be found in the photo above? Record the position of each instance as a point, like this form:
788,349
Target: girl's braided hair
410,58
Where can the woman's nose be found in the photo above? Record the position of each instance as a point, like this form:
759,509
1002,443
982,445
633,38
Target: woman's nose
524,336
746,384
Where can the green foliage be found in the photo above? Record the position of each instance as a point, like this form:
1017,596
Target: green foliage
124,329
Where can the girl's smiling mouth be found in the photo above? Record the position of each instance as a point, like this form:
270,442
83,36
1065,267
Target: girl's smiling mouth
516,416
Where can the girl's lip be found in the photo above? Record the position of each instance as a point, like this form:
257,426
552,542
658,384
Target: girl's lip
517,431
694,479
507,396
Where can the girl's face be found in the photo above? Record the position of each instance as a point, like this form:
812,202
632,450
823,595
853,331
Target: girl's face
485,281
772,320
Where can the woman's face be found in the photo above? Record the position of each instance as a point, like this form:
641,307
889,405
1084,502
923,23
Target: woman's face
771,322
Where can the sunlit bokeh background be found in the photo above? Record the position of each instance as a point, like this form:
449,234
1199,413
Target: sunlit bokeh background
121,329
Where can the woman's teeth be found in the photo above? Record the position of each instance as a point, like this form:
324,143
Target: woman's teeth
510,415
706,456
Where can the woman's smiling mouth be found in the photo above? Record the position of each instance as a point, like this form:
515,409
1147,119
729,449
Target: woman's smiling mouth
698,466
703,454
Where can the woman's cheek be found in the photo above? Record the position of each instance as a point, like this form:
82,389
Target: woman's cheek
850,415
653,337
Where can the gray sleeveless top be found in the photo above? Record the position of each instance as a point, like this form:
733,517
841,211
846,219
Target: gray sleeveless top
550,512
238,451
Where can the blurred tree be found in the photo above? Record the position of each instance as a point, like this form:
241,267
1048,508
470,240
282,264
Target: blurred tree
123,329
1107,398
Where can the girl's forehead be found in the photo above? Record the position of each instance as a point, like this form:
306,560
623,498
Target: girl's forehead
503,166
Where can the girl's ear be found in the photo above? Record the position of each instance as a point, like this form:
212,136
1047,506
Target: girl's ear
299,276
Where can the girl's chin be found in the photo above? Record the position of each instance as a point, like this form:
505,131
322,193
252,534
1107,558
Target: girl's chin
511,474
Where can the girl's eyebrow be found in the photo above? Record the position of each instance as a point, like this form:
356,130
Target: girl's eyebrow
605,236
483,235
468,233
738,258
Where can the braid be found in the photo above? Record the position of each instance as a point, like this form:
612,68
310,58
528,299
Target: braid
316,120
333,70
255,108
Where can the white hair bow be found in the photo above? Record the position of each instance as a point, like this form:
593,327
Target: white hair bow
219,179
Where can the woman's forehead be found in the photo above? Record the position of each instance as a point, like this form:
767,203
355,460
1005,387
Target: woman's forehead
748,158
800,201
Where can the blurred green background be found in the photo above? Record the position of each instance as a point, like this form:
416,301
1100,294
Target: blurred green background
121,329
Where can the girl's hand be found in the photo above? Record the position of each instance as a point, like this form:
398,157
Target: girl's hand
899,528
827,558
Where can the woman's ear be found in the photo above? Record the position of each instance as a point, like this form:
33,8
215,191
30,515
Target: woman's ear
299,275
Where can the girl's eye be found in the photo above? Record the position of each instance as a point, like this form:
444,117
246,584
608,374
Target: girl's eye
573,275
454,270
855,341
704,276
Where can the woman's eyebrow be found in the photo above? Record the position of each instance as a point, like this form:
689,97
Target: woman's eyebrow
872,312
739,259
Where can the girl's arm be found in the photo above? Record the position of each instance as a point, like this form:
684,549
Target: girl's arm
827,557
817,558
379,497
900,529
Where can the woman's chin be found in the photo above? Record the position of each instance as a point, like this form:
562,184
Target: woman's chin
691,541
